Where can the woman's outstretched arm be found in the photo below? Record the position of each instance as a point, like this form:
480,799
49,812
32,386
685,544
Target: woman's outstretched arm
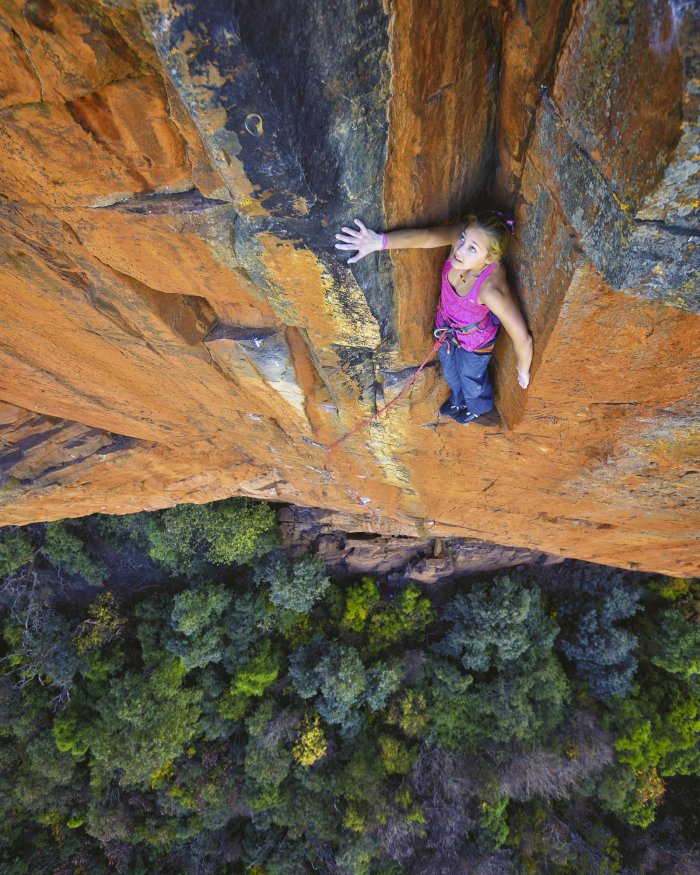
365,240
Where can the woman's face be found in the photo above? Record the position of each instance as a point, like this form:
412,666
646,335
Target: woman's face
471,251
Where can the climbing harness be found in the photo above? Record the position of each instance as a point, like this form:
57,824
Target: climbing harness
448,333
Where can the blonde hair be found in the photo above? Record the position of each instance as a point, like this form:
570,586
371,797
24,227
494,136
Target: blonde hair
498,229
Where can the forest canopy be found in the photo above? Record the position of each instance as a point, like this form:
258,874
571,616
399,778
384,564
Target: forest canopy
181,694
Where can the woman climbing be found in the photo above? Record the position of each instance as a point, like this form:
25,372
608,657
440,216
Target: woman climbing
474,300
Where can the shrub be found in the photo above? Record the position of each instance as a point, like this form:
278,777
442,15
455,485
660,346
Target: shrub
409,713
493,823
670,588
397,757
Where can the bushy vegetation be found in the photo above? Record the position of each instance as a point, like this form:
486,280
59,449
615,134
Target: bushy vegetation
244,714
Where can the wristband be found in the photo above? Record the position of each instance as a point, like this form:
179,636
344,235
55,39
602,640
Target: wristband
384,242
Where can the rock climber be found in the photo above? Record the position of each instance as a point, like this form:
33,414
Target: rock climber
475,300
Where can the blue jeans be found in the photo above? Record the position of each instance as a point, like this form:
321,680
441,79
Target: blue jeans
466,373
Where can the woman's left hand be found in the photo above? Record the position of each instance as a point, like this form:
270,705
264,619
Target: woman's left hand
364,241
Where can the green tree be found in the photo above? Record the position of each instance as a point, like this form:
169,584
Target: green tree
247,621
523,704
196,620
311,744
382,679
659,729
601,650
104,623
65,550
296,584
403,618
250,681
494,624
240,531
15,550
449,706
337,674
234,531
267,760
144,723
518,690
361,597
677,642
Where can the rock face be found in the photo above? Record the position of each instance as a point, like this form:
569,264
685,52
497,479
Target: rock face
175,324
349,547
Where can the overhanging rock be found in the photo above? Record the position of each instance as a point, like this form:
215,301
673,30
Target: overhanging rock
250,355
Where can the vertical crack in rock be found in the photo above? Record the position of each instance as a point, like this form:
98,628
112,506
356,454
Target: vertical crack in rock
586,199
329,86
217,75
304,162
535,36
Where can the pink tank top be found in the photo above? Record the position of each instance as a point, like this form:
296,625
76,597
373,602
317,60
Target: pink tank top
456,311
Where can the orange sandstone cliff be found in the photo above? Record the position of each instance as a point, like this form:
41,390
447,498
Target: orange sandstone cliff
176,326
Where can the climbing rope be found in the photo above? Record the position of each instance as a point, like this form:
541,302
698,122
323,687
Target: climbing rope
436,346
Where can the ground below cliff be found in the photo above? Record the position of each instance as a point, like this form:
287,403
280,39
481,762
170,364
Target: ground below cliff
176,326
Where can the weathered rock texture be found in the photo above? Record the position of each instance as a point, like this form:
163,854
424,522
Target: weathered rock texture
175,322
349,546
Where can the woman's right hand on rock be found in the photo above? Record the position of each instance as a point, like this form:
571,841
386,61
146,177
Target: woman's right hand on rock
364,241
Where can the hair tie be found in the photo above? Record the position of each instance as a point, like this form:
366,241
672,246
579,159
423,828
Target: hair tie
508,221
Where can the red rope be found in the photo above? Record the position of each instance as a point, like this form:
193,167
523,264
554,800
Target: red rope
393,401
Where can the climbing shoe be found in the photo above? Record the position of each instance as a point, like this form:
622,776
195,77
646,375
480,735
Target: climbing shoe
464,416
491,418
448,410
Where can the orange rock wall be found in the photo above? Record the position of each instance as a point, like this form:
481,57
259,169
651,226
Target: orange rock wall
175,324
